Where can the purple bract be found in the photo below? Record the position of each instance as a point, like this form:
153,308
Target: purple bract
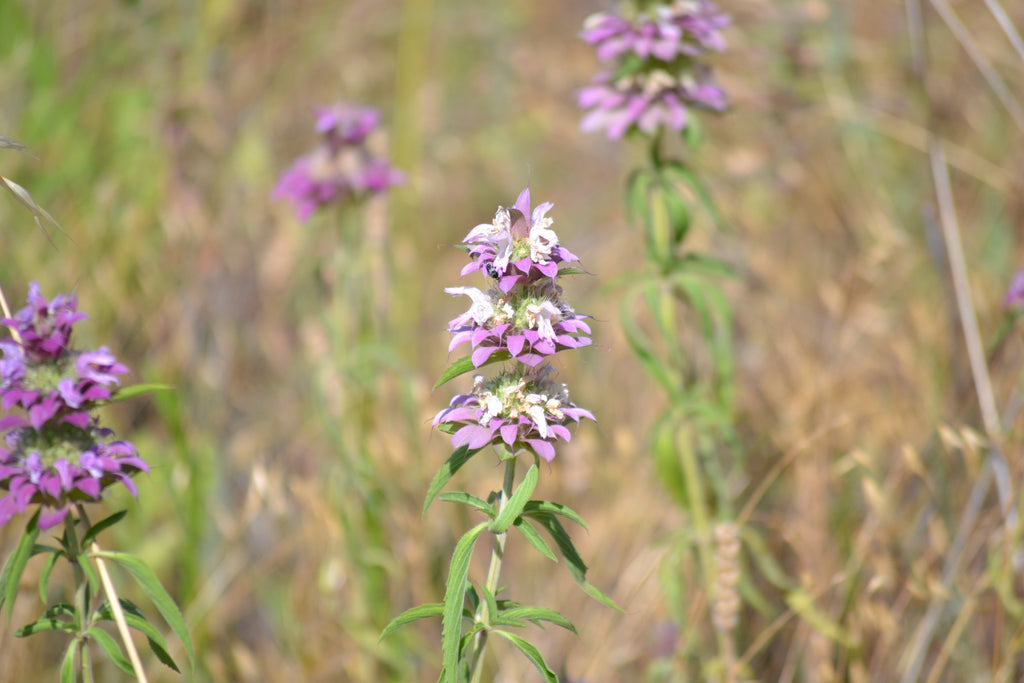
1015,292
513,410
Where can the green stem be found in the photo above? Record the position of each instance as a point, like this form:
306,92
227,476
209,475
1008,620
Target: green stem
701,523
493,572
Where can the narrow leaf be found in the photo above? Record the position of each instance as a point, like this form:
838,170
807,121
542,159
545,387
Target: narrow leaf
125,393
44,575
539,614
112,648
134,617
534,537
518,500
572,558
470,500
434,609
465,364
101,525
44,624
492,607
156,593
67,667
554,508
455,596
447,471
15,566
531,652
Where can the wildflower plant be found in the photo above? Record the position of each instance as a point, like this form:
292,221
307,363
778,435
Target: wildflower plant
656,79
55,458
521,413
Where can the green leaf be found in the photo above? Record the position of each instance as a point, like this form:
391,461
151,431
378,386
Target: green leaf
801,602
571,270
539,614
434,609
44,575
534,537
644,348
455,596
531,652
636,195
492,608
666,460
134,617
555,509
112,648
572,558
447,471
156,593
44,624
470,500
15,565
465,364
125,393
67,667
518,500
101,525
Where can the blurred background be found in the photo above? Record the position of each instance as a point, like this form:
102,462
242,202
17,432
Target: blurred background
291,461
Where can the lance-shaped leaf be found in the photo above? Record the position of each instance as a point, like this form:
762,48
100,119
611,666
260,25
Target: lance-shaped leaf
101,525
555,509
531,652
537,615
470,500
125,393
434,609
134,617
23,196
15,566
112,648
156,593
534,537
518,500
447,471
51,621
465,364
454,597
67,667
572,558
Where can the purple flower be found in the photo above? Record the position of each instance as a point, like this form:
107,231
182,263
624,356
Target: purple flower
1014,298
686,28
342,168
658,72
57,455
518,246
529,323
513,410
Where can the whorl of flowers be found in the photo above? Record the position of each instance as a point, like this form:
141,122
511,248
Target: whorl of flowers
1014,298
58,454
657,67
341,168
524,315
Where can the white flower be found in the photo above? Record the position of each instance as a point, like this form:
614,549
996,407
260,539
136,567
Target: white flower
481,310
541,317
534,407
542,241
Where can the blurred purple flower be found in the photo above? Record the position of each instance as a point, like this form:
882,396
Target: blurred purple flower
683,28
658,73
513,410
341,169
57,455
1015,293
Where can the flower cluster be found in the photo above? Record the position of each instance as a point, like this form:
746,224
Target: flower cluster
341,168
524,317
658,72
1014,298
57,455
